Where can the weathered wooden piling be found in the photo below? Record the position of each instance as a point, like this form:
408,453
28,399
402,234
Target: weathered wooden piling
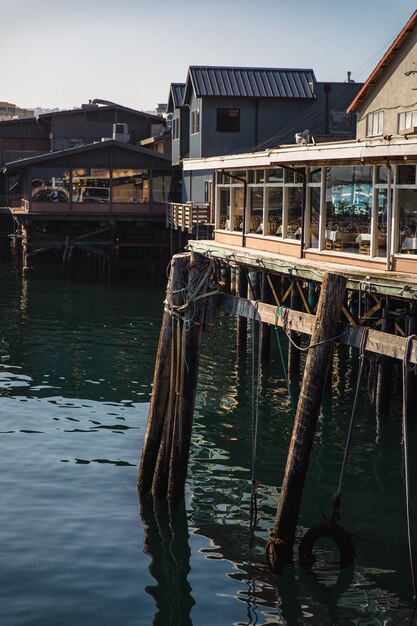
242,322
191,349
162,375
266,296
294,359
165,452
385,367
280,545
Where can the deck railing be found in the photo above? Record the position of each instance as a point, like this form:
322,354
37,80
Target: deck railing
187,217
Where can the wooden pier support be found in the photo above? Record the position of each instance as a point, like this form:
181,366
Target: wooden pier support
294,356
280,546
165,452
266,296
385,368
242,322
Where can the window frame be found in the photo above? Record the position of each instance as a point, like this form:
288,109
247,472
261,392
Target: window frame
375,124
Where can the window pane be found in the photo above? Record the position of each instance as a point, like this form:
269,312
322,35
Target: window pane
256,210
407,209
224,198
91,185
50,184
381,242
349,209
295,202
406,175
314,217
238,198
274,197
228,120
275,175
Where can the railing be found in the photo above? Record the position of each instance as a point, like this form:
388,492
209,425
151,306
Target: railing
187,217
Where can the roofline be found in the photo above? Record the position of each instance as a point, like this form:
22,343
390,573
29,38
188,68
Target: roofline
101,108
362,152
386,59
21,163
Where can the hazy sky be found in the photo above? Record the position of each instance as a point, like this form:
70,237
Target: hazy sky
61,54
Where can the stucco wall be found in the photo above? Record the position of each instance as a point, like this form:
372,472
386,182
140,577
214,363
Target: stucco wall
394,92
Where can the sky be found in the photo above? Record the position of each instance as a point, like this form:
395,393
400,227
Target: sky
62,54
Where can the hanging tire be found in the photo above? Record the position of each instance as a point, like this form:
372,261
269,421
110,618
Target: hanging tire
329,530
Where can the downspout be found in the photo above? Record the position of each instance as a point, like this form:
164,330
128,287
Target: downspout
256,123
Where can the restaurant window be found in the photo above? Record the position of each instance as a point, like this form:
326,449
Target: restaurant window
274,204
238,208
224,208
129,185
407,209
195,121
295,204
160,187
91,185
50,184
228,120
348,209
407,120
256,210
375,124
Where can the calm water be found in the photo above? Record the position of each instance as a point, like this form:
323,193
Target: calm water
78,548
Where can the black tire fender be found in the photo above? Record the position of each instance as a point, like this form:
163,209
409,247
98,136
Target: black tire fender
333,531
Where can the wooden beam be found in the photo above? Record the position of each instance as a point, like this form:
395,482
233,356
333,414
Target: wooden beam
377,341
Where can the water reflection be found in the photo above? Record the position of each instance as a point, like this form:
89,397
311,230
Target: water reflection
166,543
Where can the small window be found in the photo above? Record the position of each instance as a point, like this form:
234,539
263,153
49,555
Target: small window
176,128
375,123
407,120
228,120
195,121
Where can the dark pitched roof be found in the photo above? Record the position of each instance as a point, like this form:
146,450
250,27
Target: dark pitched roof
50,156
176,96
250,82
386,59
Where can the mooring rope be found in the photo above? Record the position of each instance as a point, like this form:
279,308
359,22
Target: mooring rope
255,419
284,369
337,496
405,369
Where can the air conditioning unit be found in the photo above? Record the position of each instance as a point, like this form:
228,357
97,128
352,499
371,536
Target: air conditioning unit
121,132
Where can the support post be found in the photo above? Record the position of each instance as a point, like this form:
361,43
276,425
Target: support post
280,547
293,353
161,379
242,322
385,368
181,438
266,296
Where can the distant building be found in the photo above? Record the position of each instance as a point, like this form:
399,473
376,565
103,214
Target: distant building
11,111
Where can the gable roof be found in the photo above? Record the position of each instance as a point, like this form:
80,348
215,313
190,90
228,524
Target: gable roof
176,96
390,54
249,82
157,157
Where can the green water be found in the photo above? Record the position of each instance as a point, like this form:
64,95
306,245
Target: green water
77,546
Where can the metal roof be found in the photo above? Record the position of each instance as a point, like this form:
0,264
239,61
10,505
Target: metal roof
251,82
177,90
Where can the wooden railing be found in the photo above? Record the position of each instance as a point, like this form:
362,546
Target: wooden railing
187,217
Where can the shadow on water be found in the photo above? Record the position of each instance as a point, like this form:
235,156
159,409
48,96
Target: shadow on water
166,543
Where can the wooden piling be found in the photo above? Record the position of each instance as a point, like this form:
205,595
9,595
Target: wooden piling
294,356
161,379
266,296
191,347
280,546
385,367
242,322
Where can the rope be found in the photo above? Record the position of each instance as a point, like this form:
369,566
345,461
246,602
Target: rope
284,369
255,420
337,496
407,368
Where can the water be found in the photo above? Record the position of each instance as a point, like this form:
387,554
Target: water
77,546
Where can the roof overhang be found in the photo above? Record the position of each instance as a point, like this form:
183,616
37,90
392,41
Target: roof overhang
362,152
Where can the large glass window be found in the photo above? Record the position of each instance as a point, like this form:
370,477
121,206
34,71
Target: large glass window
295,205
274,203
130,185
91,185
50,184
256,210
349,208
161,186
407,209
314,205
224,205
238,207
